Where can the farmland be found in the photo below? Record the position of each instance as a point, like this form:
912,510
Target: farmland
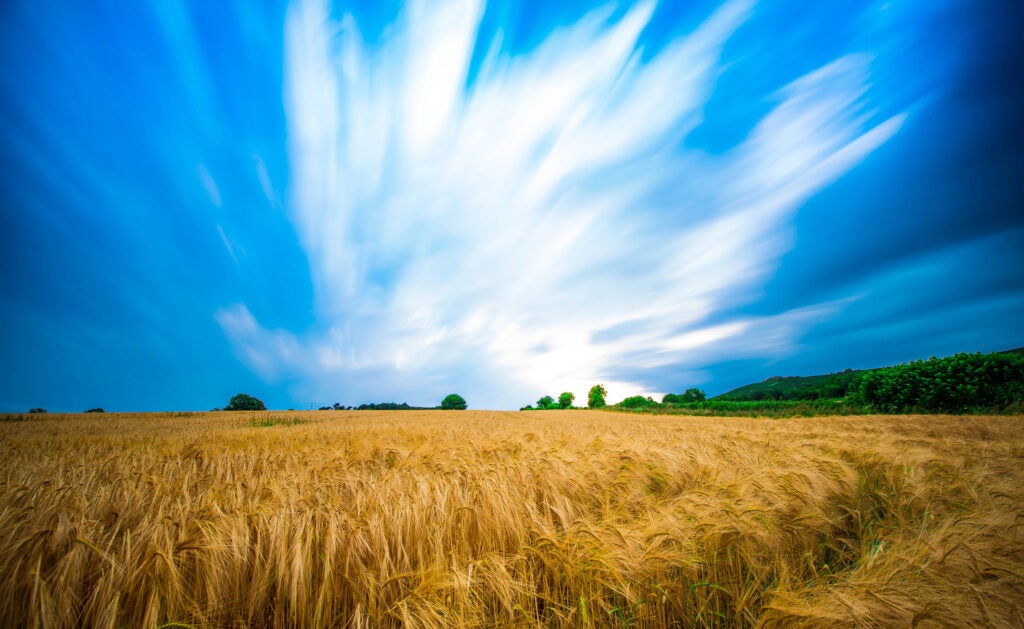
480,519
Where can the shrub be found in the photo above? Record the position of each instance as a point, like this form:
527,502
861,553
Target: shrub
546,402
37,410
946,385
637,401
96,410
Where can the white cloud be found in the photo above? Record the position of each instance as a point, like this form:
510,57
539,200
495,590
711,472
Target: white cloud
483,238
209,185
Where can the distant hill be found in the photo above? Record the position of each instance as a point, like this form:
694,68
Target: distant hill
791,387
831,385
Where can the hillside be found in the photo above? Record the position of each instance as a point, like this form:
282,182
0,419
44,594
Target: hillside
832,385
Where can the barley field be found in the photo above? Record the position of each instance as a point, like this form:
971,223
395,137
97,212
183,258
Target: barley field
494,519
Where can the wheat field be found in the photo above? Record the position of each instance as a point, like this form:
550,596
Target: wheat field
494,519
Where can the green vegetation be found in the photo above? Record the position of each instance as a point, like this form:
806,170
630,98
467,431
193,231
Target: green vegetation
829,386
269,421
638,401
688,396
596,396
244,402
36,411
963,383
750,408
565,400
548,403
957,384
453,402
383,406
95,410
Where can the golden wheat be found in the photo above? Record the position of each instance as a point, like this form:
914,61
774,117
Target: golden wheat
480,519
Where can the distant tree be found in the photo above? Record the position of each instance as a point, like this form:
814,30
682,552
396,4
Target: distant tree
338,407
595,398
95,410
672,398
386,406
546,402
325,408
565,400
693,395
37,410
453,402
244,402
637,401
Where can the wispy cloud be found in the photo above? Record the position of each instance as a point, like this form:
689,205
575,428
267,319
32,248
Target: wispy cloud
509,233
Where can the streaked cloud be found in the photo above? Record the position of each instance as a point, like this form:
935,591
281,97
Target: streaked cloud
488,232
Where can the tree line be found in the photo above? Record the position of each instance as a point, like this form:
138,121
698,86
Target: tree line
984,383
451,402
956,384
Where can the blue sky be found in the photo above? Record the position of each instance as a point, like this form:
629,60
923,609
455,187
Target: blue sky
316,203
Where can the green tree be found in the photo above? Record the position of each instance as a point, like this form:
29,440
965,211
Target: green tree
595,398
637,401
95,410
693,395
453,402
565,400
954,384
244,402
546,402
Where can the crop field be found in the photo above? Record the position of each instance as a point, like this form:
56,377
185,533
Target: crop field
493,519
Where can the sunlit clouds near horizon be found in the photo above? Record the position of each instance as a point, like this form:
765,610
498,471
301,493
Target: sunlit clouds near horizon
358,203
538,225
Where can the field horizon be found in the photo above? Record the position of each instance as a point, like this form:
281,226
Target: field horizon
513,519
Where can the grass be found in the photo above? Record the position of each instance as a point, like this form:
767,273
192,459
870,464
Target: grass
479,519
752,408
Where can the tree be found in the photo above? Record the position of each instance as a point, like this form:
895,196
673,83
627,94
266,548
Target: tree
693,395
595,398
546,402
37,410
453,402
95,410
244,402
637,401
565,400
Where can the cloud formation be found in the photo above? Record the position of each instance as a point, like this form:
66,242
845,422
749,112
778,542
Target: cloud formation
538,225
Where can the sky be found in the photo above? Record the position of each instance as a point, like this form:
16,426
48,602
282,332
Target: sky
316,202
